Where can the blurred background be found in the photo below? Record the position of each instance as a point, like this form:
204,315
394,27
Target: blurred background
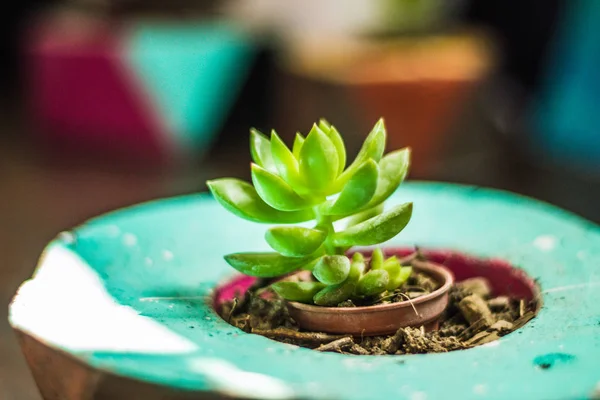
107,103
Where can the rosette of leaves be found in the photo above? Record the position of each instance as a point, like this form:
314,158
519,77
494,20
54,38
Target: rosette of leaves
311,182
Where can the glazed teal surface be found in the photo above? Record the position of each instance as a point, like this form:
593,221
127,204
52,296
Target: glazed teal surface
185,239
192,73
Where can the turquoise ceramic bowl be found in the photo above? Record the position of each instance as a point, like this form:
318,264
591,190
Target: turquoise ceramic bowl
126,293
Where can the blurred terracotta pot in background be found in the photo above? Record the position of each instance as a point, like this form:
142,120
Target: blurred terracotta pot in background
419,85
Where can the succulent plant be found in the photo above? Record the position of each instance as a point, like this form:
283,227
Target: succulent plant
310,182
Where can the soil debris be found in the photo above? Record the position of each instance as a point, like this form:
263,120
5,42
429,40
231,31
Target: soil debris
474,328
474,308
473,317
255,312
477,286
502,326
420,282
500,303
359,350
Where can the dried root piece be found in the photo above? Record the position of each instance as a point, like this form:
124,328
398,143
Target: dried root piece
314,338
337,345
474,309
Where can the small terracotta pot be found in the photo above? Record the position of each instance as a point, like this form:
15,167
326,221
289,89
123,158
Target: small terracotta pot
380,319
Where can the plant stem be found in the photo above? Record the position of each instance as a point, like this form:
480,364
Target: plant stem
325,222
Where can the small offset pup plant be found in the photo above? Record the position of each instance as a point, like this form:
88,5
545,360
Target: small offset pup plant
310,182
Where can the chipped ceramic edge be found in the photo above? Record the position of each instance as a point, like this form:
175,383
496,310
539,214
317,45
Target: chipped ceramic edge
44,308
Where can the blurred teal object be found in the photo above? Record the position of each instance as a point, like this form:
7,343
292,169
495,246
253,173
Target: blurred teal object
192,73
127,293
567,115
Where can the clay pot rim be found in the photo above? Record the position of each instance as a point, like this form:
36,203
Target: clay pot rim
439,271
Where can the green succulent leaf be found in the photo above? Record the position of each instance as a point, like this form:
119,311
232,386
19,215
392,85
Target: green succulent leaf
393,270
265,265
392,171
332,270
372,283
335,294
359,258
332,295
285,162
260,149
295,241
357,193
393,260
374,144
241,199
375,230
298,142
276,192
398,274
338,142
324,125
373,147
405,273
377,258
363,215
302,292
318,161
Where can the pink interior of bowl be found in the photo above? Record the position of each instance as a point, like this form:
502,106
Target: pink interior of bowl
504,278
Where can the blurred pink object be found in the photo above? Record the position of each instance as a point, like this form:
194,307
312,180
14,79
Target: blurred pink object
157,90
80,90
